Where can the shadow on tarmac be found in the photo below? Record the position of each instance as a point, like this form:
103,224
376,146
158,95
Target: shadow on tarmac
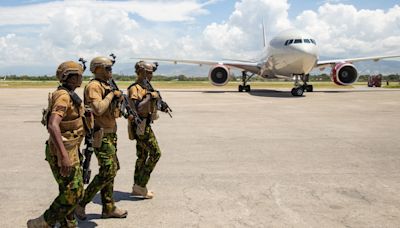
281,93
118,196
254,92
88,223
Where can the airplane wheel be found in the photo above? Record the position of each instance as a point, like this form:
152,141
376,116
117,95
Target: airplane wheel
240,88
309,88
247,88
298,92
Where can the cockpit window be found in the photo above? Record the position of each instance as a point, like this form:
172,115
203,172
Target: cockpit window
287,42
299,41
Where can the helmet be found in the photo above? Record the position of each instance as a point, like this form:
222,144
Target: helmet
100,61
67,68
149,67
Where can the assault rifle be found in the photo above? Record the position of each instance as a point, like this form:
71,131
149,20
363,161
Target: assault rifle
161,104
87,152
125,108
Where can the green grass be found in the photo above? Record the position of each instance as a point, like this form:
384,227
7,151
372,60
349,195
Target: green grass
187,84
392,86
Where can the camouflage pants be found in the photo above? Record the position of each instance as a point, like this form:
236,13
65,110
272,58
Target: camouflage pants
148,153
70,192
104,180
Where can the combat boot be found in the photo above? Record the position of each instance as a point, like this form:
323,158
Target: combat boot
38,223
142,192
116,213
80,212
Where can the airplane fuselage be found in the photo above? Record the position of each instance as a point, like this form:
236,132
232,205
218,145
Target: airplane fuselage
291,52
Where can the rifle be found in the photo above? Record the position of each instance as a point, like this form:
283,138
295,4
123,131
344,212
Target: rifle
87,152
125,108
161,104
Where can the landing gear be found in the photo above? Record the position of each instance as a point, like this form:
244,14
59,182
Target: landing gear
245,88
309,88
299,88
298,92
245,79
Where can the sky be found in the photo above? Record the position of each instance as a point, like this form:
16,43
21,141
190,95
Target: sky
37,35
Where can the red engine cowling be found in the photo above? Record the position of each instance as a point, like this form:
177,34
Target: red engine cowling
219,75
344,74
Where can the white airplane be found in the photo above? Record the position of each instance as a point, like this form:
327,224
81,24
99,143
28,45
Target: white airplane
291,54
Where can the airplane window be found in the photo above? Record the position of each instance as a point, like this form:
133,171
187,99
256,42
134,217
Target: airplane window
313,41
290,41
286,43
298,41
307,41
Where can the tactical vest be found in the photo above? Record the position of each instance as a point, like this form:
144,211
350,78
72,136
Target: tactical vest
72,131
114,106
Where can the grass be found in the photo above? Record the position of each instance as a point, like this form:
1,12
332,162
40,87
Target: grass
392,86
188,84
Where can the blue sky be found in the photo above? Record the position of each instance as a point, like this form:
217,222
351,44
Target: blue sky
196,29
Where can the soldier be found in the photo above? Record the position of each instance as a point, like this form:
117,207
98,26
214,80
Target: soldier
99,97
147,150
65,122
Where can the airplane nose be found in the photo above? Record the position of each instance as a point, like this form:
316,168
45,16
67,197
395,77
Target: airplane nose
304,57
306,52
309,50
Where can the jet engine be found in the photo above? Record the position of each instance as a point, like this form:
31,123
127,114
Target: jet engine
344,74
219,75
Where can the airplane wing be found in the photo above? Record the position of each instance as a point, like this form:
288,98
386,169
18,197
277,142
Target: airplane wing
253,67
328,63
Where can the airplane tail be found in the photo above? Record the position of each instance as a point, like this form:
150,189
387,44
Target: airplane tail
263,32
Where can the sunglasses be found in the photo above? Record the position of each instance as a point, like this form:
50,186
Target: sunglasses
70,75
108,68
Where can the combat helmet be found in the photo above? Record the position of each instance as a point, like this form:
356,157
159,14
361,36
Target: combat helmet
67,68
149,67
100,61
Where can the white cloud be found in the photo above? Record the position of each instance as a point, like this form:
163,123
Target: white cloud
161,10
346,31
61,30
88,28
241,34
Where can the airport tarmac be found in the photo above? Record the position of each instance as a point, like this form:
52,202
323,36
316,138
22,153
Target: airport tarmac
262,159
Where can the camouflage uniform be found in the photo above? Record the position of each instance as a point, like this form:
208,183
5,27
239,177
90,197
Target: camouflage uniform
147,149
99,97
70,187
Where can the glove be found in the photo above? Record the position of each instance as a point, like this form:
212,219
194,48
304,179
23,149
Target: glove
117,93
155,95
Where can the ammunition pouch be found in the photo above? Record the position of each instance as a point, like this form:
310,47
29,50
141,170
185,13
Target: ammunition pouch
72,125
71,141
46,112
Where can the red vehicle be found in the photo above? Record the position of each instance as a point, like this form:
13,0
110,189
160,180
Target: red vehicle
375,80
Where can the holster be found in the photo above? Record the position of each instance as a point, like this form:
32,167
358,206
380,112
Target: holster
140,129
131,134
98,138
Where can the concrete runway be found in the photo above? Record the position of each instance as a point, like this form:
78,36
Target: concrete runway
229,159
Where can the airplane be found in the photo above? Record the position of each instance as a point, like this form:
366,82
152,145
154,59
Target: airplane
292,54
